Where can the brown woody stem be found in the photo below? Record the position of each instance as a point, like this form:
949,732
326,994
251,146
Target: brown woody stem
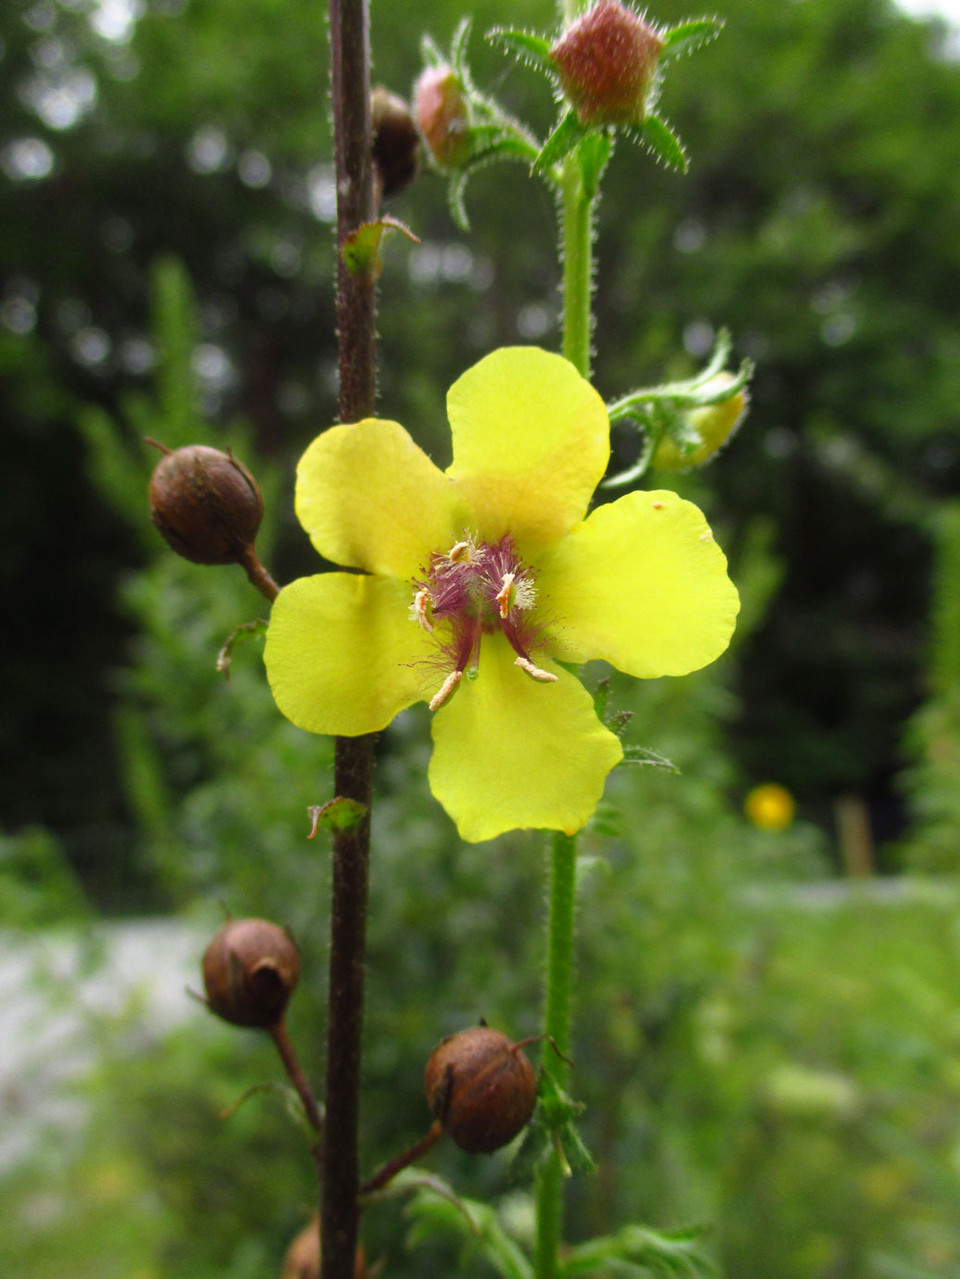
353,762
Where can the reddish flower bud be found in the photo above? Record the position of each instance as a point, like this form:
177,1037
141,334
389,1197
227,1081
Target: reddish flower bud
396,143
607,64
443,116
206,505
250,970
481,1087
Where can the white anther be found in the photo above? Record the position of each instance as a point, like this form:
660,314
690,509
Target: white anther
420,610
534,671
503,598
447,690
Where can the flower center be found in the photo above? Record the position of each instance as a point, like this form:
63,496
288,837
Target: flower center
472,589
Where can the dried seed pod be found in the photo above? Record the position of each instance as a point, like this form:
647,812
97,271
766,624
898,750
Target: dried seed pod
303,1256
206,504
250,970
481,1087
396,143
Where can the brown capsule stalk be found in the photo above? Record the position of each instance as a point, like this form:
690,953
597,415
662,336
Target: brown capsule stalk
481,1087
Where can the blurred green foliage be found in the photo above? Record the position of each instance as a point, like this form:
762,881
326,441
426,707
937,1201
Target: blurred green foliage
756,1047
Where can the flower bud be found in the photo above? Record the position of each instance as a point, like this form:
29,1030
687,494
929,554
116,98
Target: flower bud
606,62
713,425
396,143
250,970
303,1256
443,116
206,504
481,1087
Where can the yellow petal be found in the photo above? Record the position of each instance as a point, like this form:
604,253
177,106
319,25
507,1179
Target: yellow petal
643,585
531,441
343,656
370,498
511,752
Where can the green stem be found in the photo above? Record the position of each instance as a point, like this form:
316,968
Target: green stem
576,245
557,1019
576,233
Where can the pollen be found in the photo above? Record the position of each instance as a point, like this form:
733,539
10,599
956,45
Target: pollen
461,552
657,506
534,671
421,610
446,690
507,594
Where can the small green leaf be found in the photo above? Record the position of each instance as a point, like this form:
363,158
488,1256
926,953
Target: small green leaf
657,136
560,143
601,697
361,249
687,36
337,814
643,755
533,50
245,631
640,1250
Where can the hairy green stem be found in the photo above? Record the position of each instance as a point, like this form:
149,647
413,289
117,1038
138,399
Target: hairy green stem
353,760
577,249
576,245
557,1021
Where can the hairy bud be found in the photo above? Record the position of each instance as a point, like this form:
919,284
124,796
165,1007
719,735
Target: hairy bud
250,970
606,62
443,116
713,425
396,143
481,1087
206,504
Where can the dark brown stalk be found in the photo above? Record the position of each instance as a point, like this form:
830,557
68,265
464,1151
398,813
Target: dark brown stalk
353,767
386,1174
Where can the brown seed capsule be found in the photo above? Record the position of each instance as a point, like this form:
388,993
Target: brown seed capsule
481,1087
250,970
396,143
206,505
303,1256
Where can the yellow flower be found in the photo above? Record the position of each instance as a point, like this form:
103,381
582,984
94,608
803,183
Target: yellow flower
770,806
476,584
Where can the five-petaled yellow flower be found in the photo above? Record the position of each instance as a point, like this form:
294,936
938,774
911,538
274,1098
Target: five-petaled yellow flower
479,580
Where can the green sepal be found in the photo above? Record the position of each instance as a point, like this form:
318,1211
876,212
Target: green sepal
644,755
601,698
361,248
336,814
641,1251
657,136
687,36
531,49
239,634
560,143
595,151
557,1112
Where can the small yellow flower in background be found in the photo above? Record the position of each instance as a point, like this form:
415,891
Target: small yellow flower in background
770,806
478,581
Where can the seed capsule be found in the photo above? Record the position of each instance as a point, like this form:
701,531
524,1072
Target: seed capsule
250,970
206,505
481,1087
396,143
